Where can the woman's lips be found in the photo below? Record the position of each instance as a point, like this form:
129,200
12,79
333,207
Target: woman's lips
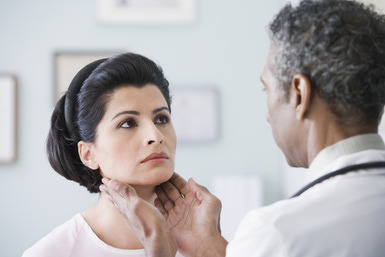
155,158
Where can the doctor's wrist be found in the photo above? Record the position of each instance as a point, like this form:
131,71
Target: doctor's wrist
214,245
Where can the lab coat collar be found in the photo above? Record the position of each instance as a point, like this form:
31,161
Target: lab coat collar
325,160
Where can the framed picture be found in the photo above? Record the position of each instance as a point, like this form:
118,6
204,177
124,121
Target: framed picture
151,12
195,114
8,111
67,64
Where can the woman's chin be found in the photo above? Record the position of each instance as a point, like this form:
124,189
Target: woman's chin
151,179
169,175
164,178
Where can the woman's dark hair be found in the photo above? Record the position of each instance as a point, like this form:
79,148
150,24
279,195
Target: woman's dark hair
340,46
80,109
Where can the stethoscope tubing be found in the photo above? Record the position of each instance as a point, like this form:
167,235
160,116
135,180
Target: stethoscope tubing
342,171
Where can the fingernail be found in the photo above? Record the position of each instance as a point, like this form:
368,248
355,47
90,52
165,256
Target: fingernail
105,181
113,185
102,188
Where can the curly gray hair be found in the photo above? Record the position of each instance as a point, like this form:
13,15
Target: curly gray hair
340,46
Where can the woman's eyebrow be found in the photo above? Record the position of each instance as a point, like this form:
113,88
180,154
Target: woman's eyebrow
137,113
126,112
160,109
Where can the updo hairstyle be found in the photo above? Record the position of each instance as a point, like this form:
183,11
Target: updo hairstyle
79,111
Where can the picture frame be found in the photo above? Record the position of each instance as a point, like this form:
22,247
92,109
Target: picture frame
68,63
196,114
8,118
147,12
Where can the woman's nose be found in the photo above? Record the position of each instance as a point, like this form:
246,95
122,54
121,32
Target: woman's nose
154,135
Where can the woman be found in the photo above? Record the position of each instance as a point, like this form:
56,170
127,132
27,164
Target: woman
113,123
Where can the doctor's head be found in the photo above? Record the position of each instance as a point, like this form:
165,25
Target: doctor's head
114,121
334,48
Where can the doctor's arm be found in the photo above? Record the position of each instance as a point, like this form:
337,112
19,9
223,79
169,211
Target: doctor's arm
193,215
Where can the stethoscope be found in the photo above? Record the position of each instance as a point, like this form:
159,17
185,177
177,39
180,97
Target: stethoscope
347,169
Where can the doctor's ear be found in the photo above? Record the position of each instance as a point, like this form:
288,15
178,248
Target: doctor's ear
87,155
301,94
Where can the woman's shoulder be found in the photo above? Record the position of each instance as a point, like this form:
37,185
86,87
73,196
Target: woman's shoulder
60,241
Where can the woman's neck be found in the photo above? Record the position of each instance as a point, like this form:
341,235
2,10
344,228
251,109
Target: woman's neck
110,226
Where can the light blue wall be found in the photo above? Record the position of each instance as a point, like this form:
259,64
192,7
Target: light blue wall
225,47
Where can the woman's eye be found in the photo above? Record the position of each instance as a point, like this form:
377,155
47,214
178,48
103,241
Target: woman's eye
128,124
162,119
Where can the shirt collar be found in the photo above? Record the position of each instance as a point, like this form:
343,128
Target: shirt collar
347,146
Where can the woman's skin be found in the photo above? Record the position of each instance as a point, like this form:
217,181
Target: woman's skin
135,145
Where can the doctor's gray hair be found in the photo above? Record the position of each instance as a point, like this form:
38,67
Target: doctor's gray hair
339,45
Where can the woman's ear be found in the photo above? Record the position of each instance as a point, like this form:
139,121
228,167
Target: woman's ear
87,155
300,95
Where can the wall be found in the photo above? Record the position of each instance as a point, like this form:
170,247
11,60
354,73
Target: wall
225,47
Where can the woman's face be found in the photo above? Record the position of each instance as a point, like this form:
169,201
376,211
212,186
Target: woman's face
135,140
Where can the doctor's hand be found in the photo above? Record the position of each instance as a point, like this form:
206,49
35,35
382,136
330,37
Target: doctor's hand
193,215
144,219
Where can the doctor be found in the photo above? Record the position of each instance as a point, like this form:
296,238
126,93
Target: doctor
325,83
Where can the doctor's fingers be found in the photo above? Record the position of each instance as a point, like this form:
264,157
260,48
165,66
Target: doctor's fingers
120,195
165,199
172,192
159,205
180,183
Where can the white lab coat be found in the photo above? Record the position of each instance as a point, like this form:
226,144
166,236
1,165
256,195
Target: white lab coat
342,216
